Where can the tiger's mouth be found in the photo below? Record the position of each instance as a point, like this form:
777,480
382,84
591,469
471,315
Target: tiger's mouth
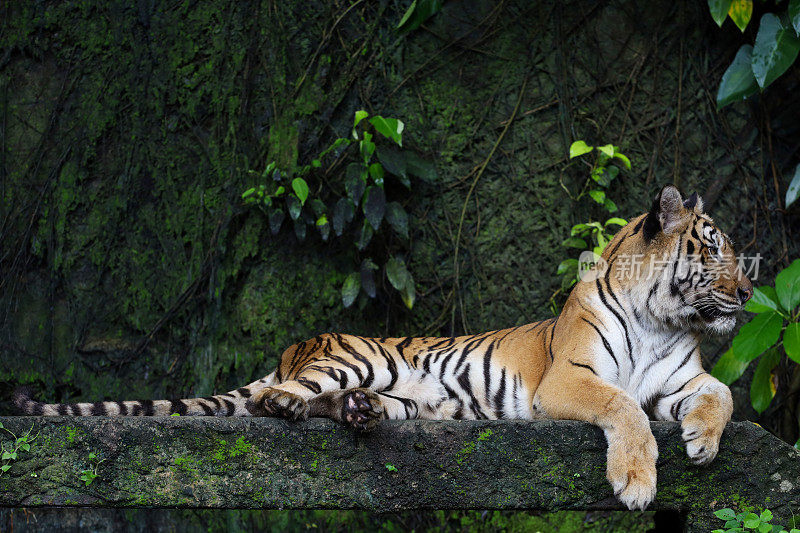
710,314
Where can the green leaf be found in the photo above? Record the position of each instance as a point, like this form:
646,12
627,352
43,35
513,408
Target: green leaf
2,426
418,12
787,286
574,242
794,14
374,206
248,192
376,171
764,527
389,127
752,519
766,515
397,273
598,196
794,187
409,293
762,389
6,456
343,214
294,207
5,468
607,149
615,220
579,148
275,220
397,218
354,182
300,188
394,163
625,161
367,270
719,10
764,300
567,265
350,288
775,50
364,236
359,116
612,172
756,336
726,513
791,341
738,82
424,170
740,13
610,206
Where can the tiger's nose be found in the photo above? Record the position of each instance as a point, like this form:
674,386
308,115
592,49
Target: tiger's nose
744,294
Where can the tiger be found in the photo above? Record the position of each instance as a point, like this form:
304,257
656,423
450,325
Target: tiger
624,349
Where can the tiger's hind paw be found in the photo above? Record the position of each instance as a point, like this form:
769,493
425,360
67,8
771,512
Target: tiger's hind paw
279,403
361,409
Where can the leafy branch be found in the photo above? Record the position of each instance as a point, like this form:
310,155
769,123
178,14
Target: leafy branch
363,208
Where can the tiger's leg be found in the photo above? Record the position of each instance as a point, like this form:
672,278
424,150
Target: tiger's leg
577,393
703,405
290,398
362,408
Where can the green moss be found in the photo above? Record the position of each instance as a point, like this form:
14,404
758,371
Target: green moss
470,446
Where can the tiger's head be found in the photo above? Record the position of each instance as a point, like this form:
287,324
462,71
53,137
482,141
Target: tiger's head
689,274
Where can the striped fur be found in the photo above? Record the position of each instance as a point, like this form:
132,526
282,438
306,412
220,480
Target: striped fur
622,345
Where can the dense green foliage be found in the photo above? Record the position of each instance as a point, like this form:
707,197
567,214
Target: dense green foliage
771,334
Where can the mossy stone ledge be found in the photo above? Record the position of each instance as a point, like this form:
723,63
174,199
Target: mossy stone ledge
229,463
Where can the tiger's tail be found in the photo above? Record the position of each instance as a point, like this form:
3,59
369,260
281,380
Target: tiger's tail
228,404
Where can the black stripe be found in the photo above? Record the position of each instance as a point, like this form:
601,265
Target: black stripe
616,314
487,369
447,340
38,408
62,409
177,406
464,381
207,410
313,386
230,407
390,365
366,382
583,366
679,389
99,409
638,226
147,407
606,344
137,409
500,396
244,392
616,246
123,409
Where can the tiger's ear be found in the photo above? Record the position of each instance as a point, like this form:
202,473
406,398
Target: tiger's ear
694,203
667,213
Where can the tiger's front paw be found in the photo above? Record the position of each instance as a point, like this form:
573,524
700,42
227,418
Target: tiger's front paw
702,441
632,469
